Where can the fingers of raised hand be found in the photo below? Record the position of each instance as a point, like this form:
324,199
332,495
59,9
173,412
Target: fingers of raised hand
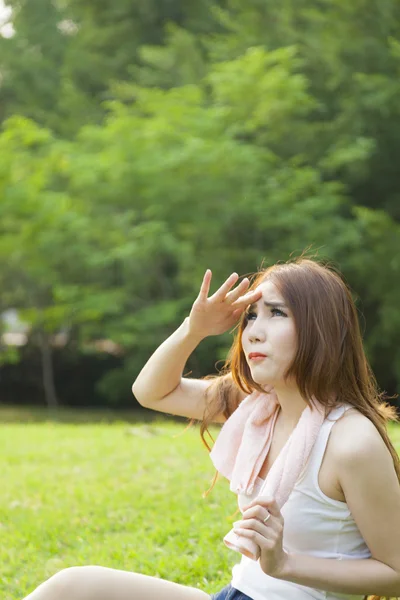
225,287
232,296
249,298
236,298
205,285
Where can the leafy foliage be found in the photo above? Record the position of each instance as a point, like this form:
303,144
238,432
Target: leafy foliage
149,143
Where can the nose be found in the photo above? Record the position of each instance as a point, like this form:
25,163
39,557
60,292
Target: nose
256,333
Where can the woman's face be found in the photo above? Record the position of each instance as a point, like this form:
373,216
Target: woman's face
270,330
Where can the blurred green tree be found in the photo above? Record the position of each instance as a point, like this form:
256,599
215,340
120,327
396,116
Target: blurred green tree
171,137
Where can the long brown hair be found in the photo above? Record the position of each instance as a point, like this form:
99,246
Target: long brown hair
330,361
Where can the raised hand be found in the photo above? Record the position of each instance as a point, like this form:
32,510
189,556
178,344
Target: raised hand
220,312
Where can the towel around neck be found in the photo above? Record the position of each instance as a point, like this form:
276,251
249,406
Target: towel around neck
245,440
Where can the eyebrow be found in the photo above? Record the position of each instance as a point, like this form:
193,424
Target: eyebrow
269,305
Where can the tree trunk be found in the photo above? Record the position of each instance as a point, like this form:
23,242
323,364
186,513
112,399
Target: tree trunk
48,371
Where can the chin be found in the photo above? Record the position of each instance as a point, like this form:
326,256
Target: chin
263,381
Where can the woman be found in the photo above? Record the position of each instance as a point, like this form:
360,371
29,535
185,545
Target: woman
331,527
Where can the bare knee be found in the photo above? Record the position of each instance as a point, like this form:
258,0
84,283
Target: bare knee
64,585
67,579
76,582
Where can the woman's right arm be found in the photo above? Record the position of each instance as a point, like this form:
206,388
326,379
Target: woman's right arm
160,385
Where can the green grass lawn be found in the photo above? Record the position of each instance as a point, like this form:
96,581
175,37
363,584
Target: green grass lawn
118,493
121,494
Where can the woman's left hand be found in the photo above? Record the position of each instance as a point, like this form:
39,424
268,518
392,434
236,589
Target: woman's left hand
267,534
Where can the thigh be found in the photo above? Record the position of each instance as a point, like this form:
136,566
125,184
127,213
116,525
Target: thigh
101,583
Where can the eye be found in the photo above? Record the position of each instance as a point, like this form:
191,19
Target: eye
250,315
279,312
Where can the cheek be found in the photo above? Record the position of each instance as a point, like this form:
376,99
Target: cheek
245,337
287,341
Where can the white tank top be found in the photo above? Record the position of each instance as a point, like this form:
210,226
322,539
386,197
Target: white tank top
314,524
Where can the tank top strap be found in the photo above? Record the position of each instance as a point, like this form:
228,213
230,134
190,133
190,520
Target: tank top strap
315,461
336,413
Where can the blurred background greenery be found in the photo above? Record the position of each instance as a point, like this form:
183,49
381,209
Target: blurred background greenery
143,142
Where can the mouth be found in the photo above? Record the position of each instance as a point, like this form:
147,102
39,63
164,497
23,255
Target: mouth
257,356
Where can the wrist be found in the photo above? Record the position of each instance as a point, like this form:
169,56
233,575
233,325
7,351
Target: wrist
191,334
285,570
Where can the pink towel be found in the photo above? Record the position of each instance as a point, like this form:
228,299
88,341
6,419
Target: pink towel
243,445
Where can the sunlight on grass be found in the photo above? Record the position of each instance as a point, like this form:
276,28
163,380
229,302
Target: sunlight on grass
122,495
125,495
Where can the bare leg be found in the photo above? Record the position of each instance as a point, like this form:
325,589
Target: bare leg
101,583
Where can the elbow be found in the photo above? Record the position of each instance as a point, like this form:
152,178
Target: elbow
138,396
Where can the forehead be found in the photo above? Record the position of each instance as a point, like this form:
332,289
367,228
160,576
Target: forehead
270,292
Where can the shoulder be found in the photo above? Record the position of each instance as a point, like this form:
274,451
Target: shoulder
355,437
359,452
370,485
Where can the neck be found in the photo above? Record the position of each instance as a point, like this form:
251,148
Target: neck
292,406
